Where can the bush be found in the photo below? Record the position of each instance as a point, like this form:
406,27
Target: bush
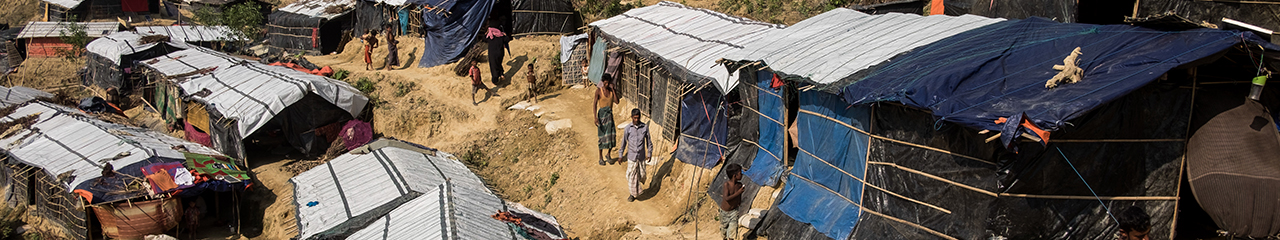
365,86
341,74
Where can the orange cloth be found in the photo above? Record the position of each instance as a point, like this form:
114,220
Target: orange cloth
1044,135
88,196
162,180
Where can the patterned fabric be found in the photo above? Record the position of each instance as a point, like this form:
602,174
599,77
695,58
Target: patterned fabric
605,128
635,175
215,166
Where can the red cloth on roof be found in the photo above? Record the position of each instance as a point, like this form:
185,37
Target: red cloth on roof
134,6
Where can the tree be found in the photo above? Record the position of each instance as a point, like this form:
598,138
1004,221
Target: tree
244,20
74,34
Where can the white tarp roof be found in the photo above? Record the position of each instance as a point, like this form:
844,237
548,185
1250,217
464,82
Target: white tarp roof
354,184
65,140
124,43
840,42
316,8
445,212
69,4
16,95
692,38
191,60
55,29
191,33
253,93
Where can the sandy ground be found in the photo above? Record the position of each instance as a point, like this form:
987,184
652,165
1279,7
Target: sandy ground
555,173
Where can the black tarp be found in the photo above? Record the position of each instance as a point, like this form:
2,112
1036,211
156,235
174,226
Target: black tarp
300,120
371,16
1156,115
545,17
1258,14
1057,10
740,152
314,35
104,73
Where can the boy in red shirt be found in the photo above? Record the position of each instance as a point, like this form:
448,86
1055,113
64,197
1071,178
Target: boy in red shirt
476,83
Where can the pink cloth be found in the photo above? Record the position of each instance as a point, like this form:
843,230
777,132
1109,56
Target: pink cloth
195,135
356,133
494,33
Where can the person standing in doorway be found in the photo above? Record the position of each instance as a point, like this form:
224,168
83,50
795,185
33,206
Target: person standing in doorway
497,43
638,148
604,100
393,56
370,39
732,198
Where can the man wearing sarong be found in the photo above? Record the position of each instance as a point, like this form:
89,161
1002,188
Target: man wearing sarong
635,140
393,54
603,104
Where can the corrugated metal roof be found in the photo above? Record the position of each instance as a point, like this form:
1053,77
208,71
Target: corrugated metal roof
64,140
353,185
191,33
445,212
16,95
691,38
69,4
124,43
254,92
840,42
191,60
316,8
55,29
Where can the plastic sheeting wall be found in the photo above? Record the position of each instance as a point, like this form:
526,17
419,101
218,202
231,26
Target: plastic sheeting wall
703,128
1057,10
818,192
770,156
545,17
936,179
449,36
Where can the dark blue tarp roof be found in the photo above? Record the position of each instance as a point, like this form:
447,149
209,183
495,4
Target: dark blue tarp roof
1000,70
449,35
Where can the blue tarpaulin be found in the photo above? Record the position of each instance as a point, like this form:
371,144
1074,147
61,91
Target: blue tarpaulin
448,36
817,193
1000,70
767,166
704,128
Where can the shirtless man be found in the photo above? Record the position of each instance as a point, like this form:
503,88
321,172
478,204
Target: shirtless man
603,104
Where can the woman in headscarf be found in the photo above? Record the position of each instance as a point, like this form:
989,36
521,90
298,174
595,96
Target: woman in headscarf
497,43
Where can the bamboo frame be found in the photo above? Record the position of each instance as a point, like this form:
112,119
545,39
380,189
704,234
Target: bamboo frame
865,183
864,209
918,172
895,140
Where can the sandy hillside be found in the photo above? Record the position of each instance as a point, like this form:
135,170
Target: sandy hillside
554,173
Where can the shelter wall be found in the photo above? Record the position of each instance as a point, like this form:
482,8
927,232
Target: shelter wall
137,219
49,202
315,36
46,47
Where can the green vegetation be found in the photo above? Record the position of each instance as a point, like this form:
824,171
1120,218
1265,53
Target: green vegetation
607,8
403,88
341,74
365,86
74,34
244,19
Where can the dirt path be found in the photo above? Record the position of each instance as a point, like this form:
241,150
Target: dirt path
554,173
